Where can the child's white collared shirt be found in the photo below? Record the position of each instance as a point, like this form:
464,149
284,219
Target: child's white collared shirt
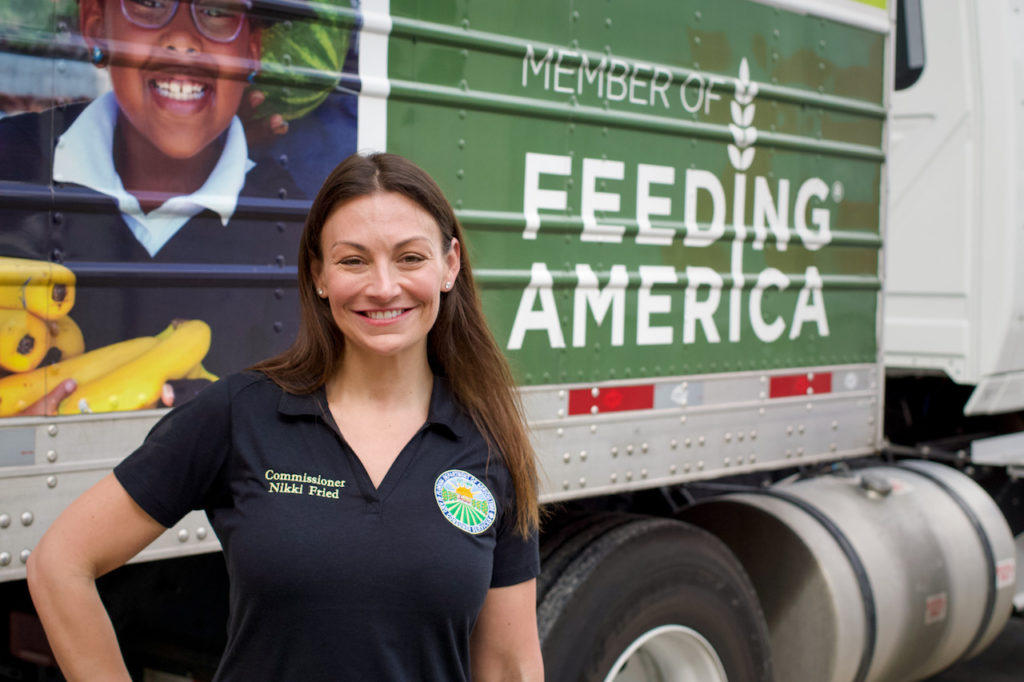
84,156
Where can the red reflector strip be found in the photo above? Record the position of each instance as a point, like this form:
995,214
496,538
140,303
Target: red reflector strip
800,384
615,399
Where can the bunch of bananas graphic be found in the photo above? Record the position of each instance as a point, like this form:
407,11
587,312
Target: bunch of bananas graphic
41,346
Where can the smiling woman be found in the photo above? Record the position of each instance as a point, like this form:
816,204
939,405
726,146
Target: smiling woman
407,507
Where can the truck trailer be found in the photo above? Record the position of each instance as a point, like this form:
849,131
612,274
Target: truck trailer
753,262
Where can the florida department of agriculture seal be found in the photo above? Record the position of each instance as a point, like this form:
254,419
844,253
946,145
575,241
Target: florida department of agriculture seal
465,501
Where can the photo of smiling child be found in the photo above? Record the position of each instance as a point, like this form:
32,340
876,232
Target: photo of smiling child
151,195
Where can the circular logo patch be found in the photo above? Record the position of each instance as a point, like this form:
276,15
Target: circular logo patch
465,501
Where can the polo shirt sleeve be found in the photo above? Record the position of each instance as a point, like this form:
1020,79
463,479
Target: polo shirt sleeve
516,559
179,467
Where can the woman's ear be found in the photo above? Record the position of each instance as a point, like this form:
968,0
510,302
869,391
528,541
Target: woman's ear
316,269
453,259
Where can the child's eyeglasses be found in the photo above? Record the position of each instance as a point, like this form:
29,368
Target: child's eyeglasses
218,20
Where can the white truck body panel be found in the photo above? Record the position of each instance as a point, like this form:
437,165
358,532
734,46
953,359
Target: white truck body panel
954,285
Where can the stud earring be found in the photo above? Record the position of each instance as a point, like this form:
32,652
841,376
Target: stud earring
320,292
447,286
97,56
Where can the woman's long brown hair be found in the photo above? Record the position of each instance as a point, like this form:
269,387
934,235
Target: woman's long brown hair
460,347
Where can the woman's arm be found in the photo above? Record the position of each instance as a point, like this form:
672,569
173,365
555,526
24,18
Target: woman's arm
101,530
505,646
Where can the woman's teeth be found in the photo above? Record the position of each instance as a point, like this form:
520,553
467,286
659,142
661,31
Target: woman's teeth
383,314
181,91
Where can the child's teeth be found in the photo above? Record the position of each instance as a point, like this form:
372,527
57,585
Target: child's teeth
181,91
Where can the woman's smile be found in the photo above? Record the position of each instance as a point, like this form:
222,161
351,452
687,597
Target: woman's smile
384,315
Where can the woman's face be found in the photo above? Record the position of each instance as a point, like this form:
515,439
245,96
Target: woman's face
383,270
175,86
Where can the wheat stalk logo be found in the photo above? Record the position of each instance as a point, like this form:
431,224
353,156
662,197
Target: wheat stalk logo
741,154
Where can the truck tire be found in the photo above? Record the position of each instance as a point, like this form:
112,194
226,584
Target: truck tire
562,541
653,599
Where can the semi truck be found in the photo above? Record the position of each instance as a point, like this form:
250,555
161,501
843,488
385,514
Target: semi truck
753,262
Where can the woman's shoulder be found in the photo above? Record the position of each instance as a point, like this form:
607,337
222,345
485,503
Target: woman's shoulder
231,387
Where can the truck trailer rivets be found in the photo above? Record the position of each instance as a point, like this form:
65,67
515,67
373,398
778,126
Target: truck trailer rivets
728,437
593,409
700,465
800,428
561,413
835,425
673,444
629,475
51,456
566,457
5,520
726,462
682,420
643,473
201,533
739,436
51,481
789,430
583,455
583,482
688,442
614,477
753,435
27,518
700,441
593,428
565,485
52,429
24,555
5,558
752,458
760,411
643,447
686,468
672,468
594,392
615,451
182,535
559,432
799,452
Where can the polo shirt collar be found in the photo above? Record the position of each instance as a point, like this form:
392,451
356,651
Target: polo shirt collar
443,411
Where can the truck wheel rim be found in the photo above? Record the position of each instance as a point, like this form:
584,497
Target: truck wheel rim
669,653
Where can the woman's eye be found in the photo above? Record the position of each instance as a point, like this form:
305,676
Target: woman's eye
412,258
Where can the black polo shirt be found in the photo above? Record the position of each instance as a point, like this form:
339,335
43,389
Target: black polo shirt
331,578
